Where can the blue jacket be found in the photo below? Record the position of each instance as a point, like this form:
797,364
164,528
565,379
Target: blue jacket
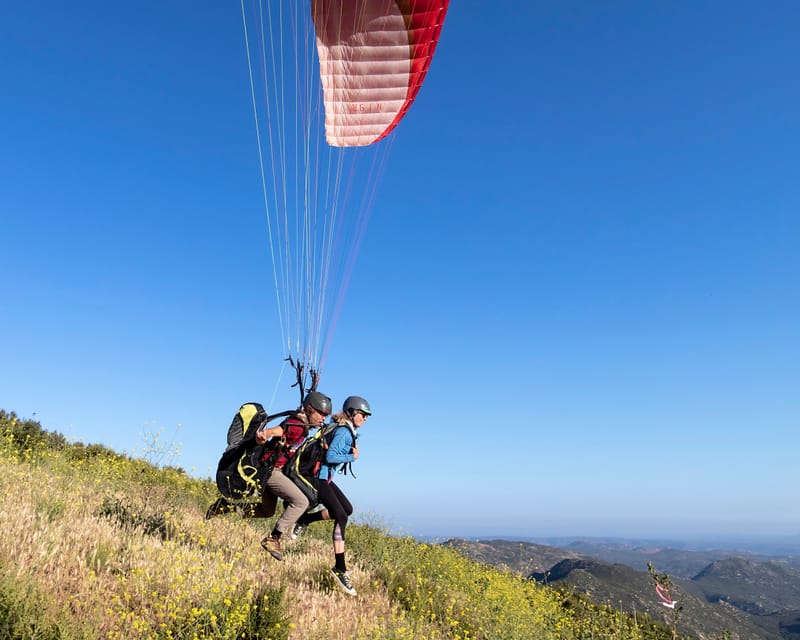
340,451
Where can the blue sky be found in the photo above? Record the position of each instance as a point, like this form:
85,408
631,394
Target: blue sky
576,308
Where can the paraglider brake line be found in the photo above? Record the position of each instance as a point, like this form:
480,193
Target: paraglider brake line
299,367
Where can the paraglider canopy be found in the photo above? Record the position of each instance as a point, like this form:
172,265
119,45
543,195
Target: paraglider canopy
373,58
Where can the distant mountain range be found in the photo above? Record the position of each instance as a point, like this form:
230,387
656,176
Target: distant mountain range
743,594
683,561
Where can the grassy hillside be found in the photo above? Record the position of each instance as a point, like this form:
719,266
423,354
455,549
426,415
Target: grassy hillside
720,603
94,544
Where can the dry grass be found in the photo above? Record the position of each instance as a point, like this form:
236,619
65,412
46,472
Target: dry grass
115,581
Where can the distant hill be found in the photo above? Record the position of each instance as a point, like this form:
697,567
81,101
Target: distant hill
785,546
753,599
522,557
677,562
605,583
631,590
760,588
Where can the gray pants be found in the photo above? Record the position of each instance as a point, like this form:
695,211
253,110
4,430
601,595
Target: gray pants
295,503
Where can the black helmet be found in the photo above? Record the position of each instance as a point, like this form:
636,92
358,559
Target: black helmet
319,401
356,403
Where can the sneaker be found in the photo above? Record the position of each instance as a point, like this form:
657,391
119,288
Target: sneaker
219,507
297,530
342,578
273,546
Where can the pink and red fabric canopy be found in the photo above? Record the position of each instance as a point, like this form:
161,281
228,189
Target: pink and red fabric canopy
374,55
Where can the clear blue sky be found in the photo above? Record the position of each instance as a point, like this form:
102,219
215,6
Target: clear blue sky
576,308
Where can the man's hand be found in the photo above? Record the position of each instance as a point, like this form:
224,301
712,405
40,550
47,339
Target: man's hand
265,434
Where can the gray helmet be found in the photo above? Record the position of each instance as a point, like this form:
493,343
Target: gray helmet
356,403
319,401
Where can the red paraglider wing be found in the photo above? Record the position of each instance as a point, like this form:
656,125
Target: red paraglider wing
373,55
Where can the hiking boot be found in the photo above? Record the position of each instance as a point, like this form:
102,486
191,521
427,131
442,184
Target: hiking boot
297,530
273,546
219,507
342,578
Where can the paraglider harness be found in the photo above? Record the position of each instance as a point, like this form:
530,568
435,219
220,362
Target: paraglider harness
245,465
304,465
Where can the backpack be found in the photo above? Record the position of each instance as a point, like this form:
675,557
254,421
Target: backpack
303,468
250,414
240,472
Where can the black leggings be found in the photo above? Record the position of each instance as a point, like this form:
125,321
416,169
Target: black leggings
337,504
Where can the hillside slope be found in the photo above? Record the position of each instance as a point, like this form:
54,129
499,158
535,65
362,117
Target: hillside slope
632,590
746,598
94,544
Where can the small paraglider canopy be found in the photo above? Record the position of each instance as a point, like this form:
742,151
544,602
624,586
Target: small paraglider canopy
330,80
